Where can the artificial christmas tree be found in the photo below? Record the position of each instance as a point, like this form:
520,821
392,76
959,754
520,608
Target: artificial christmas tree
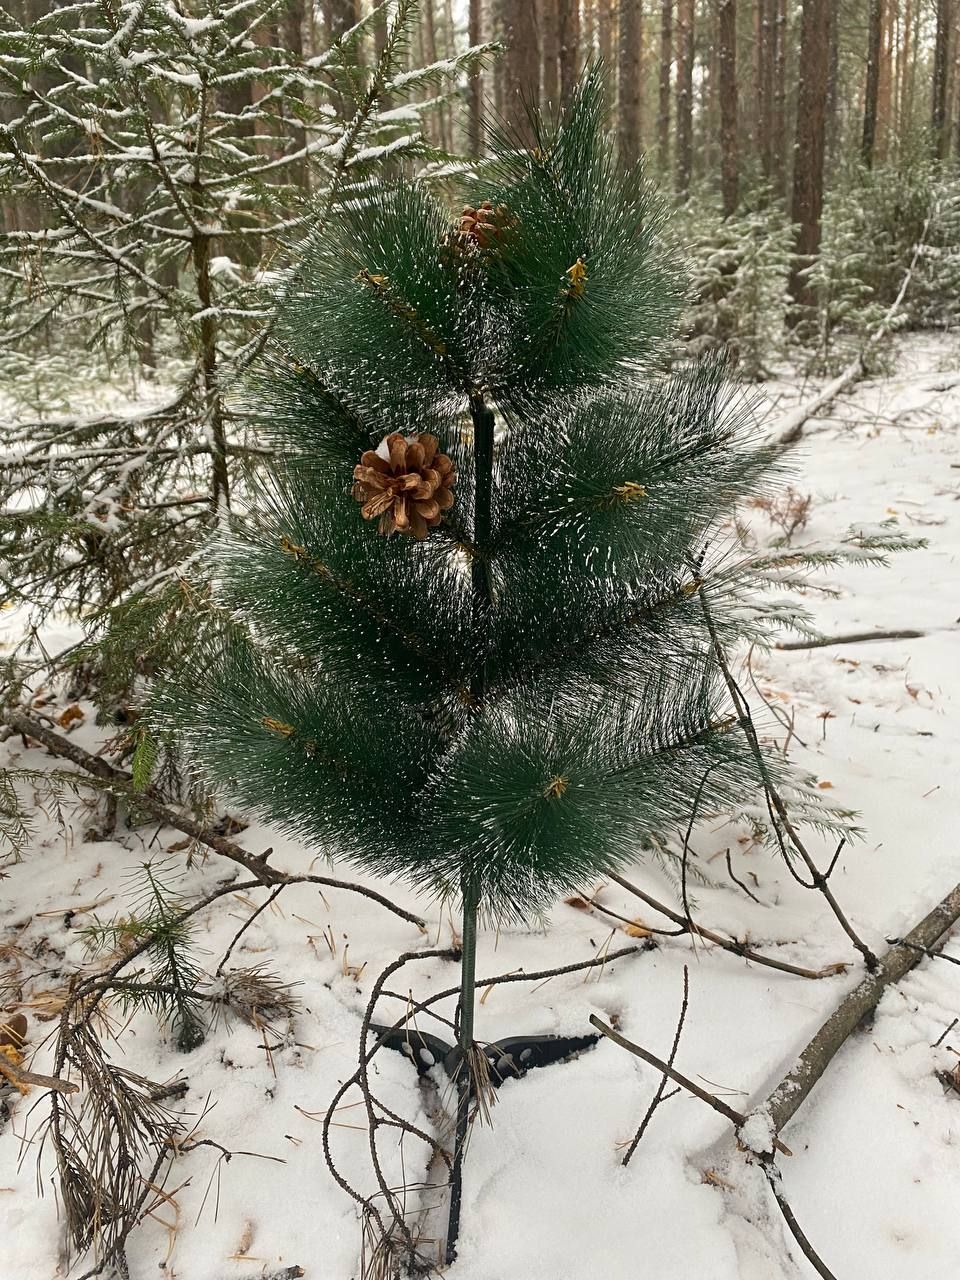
497,675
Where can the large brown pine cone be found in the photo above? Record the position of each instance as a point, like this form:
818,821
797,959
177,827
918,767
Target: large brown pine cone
485,225
407,483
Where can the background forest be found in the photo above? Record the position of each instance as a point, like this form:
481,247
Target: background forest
185,979
160,162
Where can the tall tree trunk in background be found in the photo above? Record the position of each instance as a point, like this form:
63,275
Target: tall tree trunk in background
938,111
833,85
588,31
475,119
684,158
520,64
568,33
605,19
884,122
779,122
550,39
903,64
666,62
629,98
729,159
872,88
292,21
339,16
807,203
764,82
429,20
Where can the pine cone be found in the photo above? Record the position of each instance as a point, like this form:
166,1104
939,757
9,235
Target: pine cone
406,482
484,225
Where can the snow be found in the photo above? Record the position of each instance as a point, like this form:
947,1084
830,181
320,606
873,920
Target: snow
874,1179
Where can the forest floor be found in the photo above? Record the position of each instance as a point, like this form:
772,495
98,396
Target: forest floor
874,1178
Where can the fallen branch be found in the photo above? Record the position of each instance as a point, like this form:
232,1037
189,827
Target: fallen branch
765,1159
661,1096
736,1118
794,1088
728,944
788,429
855,637
122,782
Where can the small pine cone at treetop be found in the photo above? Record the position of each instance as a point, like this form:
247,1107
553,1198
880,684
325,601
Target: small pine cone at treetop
406,482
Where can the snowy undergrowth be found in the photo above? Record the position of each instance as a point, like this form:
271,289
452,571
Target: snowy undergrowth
874,1178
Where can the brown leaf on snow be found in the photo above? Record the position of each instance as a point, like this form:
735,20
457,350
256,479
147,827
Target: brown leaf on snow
637,930
72,715
825,786
581,904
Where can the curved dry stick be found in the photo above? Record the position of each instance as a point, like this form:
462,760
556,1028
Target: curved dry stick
728,944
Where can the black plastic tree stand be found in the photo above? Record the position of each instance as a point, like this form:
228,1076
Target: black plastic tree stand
508,1059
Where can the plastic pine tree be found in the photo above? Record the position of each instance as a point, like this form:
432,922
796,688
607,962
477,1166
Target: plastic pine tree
516,702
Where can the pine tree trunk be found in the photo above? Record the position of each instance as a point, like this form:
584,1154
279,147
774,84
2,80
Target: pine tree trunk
729,159
938,108
833,86
550,36
475,125
872,88
568,36
340,16
779,123
883,80
684,96
605,20
520,64
765,26
904,68
807,203
629,78
666,62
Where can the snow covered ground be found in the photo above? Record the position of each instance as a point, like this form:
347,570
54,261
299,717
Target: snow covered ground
875,1175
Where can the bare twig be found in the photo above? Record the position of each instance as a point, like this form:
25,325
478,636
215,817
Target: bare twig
658,1097
122,782
779,817
728,944
736,1118
854,637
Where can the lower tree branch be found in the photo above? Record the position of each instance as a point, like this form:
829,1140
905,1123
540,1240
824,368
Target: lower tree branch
121,781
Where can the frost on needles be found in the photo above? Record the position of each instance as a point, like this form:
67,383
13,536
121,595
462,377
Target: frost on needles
525,696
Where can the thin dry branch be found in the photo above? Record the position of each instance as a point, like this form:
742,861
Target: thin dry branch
766,1160
122,783
854,637
728,944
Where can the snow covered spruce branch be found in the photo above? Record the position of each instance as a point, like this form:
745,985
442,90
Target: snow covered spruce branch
788,429
158,163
